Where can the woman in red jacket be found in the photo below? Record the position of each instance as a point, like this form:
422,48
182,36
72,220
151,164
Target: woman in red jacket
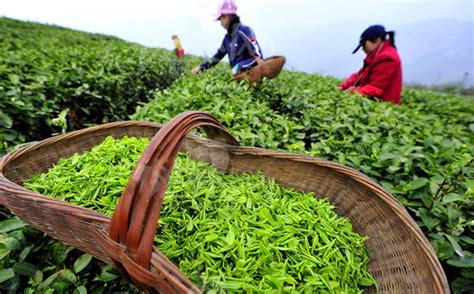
381,75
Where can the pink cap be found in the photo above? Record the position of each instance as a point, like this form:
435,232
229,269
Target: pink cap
226,7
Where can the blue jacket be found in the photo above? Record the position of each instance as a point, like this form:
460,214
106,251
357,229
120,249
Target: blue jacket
241,46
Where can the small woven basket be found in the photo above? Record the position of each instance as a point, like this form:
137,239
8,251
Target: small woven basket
402,259
269,67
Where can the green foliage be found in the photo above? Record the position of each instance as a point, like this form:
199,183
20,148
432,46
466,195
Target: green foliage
30,262
420,151
454,88
252,121
46,69
225,232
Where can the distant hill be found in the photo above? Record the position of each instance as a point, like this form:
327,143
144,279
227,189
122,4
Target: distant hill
432,51
437,51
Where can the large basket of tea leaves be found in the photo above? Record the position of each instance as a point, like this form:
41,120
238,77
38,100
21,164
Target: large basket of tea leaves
234,218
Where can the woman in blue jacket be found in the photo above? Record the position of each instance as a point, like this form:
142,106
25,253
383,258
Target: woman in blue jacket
239,43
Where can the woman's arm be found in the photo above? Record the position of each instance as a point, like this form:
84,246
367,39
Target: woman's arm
379,78
221,52
349,82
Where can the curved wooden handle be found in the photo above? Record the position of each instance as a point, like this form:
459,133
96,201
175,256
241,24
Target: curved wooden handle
135,218
259,60
263,67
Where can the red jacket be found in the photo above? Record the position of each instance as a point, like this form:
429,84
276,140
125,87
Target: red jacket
381,75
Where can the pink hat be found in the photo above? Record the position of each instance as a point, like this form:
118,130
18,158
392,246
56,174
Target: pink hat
226,7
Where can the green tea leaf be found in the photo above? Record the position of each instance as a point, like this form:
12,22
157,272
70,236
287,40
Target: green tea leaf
68,275
10,225
418,183
455,244
230,237
82,262
24,268
452,197
80,290
106,275
48,281
6,274
462,262
443,248
428,220
4,251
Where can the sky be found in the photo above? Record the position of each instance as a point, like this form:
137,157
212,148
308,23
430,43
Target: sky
288,27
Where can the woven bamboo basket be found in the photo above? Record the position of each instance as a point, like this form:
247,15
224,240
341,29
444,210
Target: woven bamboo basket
269,67
402,259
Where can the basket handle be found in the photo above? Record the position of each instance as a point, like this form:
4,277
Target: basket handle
262,65
258,59
135,218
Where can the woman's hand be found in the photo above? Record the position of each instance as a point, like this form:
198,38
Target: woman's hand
351,89
196,70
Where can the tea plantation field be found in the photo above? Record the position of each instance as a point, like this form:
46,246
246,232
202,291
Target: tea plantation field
421,151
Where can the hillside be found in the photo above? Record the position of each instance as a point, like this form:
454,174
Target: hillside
46,69
421,151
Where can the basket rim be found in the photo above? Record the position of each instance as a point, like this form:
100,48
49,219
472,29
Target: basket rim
86,214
